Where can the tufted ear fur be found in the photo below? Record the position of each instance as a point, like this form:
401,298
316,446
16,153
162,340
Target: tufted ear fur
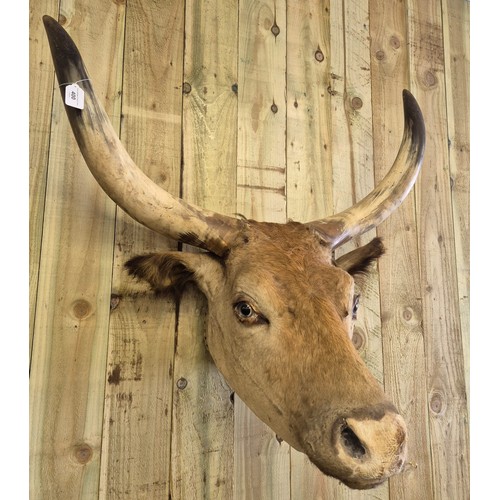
358,261
172,270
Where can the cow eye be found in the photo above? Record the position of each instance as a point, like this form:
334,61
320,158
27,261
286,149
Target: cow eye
244,310
355,305
247,314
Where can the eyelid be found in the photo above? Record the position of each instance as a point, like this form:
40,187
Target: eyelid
355,300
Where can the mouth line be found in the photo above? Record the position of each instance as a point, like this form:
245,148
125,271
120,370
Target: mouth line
352,482
364,485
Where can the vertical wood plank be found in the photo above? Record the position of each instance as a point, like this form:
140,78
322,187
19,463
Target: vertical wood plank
401,304
138,401
202,441
309,162
262,462
262,110
40,104
202,445
72,315
456,25
210,105
441,313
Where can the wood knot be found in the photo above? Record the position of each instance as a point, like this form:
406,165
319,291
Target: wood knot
319,56
358,338
437,404
114,301
407,314
182,383
380,55
356,103
274,108
82,453
275,30
81,309
395,42
186,88
430,79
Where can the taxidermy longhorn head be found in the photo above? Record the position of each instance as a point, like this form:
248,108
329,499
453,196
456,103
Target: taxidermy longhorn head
280,307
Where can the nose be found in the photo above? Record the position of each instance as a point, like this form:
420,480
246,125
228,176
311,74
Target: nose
370,450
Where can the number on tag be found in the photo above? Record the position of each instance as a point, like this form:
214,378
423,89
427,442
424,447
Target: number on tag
74,96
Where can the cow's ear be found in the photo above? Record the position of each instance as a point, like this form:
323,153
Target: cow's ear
172,270
358,261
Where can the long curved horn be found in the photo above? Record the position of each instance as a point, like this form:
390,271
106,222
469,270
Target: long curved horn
389,193
117,173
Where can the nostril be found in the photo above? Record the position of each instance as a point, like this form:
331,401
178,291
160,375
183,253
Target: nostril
351,443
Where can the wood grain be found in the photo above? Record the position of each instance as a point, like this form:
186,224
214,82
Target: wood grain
262,111
448,422
72,308
456,22
138,399
309,125
202,420
40,105
401,303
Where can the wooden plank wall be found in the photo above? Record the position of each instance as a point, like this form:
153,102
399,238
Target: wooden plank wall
276,110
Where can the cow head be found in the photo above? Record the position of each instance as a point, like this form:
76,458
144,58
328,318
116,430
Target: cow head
280,306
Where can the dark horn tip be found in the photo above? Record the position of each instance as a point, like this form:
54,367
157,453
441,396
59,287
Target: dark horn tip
67,59
48,20
412,109
414,120
54,30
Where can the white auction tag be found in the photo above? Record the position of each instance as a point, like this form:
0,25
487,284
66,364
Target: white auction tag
74,96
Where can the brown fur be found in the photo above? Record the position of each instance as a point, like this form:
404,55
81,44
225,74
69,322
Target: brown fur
161,271
297,370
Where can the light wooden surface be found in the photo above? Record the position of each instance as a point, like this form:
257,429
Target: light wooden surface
276,110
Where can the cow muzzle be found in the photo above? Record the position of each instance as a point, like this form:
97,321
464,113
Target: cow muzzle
369,450
366,451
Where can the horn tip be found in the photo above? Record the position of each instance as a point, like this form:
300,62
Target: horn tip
414,120
51,25
47,19
65,55
410,103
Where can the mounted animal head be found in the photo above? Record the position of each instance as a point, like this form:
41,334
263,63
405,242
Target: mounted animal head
280,307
